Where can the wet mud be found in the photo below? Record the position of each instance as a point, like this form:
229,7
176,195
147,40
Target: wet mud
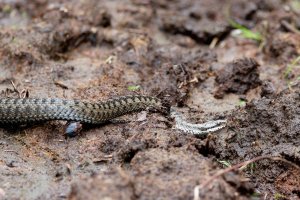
188,53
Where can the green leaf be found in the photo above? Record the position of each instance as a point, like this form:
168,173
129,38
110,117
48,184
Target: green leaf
246,33
290,67
278,196
242,103
225,163
133,87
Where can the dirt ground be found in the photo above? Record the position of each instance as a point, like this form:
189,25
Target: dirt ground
197,55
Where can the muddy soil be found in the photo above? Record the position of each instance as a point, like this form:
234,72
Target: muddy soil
193,55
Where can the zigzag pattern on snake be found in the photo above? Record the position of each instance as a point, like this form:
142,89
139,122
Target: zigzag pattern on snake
22,110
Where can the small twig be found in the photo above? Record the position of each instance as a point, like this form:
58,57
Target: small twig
104,158
290,27
60,84
214,43
235,167
23,94
15,88
11,151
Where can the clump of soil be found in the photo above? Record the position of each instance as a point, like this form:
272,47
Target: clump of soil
263,127
268,126
289,182
192,21
151,173
237,77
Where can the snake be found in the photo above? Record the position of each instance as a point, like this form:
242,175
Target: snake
24,110
28,110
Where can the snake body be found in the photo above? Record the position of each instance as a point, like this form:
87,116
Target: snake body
23,110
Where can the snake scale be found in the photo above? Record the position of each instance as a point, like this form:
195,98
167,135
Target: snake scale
23,110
